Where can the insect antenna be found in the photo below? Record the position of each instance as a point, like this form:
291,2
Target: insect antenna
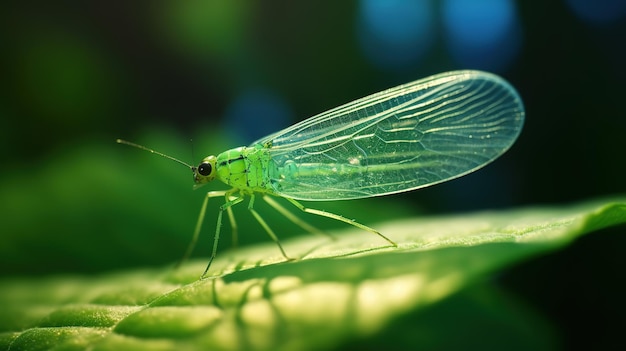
125,142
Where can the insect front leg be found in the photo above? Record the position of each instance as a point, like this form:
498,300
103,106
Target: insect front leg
231,200
196,232
340,218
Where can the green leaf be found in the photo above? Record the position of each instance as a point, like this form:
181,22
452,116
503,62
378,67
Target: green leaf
341,292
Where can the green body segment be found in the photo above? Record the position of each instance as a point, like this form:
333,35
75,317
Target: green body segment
245,168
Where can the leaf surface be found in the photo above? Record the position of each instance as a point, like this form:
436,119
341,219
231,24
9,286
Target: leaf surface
336,292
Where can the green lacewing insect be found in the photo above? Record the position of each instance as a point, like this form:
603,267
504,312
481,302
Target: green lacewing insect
404,138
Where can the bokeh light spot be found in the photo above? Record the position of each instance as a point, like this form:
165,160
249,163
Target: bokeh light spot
256,113
395,33
482,33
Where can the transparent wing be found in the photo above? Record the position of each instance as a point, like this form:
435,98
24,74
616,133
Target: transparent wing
404,138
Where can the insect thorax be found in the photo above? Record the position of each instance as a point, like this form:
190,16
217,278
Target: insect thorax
244,168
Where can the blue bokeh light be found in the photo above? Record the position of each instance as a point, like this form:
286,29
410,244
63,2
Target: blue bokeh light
395,33
256,113
482,34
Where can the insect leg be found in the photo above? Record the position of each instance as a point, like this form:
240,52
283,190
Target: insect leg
294,219
267,228
196,232
340,218
232,200
234,230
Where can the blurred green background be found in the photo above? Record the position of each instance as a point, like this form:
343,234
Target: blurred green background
77,75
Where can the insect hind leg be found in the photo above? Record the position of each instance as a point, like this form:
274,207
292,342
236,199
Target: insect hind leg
295,220
267,228
340,218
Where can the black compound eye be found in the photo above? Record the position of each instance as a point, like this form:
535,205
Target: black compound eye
205,169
